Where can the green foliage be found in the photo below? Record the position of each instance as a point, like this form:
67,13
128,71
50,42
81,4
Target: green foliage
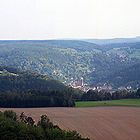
16,130
122,102
37,99
27,89
130,76
65,60
138,93
45,122
13,130
55,133
10,114
25,81
94,95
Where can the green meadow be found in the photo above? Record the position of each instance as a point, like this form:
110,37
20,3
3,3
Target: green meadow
122,102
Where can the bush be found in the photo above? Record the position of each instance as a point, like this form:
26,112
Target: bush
12,128
10,114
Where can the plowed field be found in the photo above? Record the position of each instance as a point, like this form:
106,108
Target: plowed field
97,123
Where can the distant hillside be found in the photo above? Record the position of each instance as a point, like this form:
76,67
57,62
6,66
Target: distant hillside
61,59
129,76
73,44
69,60
113,41
134,45
17,81
28,89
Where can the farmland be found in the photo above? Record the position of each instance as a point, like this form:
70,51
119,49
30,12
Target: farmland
97,123
122,102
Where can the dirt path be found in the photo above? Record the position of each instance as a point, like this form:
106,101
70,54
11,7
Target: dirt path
98,123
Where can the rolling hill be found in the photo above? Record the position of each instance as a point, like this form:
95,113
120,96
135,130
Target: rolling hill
69,60
30,89
18,81
129,76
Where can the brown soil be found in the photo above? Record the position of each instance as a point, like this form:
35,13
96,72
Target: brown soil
98,123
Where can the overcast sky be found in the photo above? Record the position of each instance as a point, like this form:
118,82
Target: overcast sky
50,19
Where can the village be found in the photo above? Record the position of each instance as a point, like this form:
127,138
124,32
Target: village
81,85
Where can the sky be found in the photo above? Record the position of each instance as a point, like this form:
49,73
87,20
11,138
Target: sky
73,19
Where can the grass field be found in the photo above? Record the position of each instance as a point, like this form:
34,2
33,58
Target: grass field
122,102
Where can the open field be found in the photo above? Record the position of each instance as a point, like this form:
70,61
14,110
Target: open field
97,123
122,102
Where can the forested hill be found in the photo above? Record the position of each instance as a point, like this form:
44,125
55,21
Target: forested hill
75,44
29,89
113,40
15,80
129,76
69,60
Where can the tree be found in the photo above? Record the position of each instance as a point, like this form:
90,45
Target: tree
45,122
10,114
138,93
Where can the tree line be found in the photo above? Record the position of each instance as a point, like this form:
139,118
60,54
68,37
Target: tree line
37,99
30,89
94,95
57,98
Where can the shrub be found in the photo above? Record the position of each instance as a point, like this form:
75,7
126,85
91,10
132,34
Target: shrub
10,114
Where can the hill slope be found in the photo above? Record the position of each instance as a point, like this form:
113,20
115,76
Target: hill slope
14,80
69,60
129,76
26,89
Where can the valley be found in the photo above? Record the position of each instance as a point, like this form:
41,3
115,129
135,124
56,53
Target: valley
69,70
91,86
68,61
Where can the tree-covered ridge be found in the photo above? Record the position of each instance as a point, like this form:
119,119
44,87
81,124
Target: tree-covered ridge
28,89
129,75
15,80
69,60
13,127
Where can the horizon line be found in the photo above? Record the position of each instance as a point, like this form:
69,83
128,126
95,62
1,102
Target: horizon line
69,39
